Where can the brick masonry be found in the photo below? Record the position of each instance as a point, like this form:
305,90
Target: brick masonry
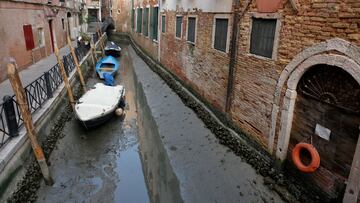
205,70
202,67
256,77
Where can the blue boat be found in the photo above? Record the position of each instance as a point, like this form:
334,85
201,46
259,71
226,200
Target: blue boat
107,64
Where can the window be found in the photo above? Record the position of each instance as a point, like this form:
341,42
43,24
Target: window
29,38
163,24
221,31
139,20
262,37
154,23
191,29
178,26
146,22
40,37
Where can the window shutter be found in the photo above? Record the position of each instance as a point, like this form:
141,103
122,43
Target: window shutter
191,29
139,20
145,22
221,27
262,37
29,38
155,23
178,26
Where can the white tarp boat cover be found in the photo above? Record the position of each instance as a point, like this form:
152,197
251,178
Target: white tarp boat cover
98,101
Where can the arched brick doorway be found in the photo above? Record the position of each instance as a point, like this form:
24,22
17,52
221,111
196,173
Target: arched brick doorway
351,67
328,99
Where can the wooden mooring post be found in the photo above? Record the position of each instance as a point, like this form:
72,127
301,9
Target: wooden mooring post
78,69
65,78
101,43
25,112
93,52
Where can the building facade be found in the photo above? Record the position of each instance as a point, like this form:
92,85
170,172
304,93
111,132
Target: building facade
283,73
29,29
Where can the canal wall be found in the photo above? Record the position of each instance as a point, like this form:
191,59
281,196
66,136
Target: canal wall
17,160
290,187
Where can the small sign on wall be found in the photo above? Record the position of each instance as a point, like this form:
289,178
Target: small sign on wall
322,132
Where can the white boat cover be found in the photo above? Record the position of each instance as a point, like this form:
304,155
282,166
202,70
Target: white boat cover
98,101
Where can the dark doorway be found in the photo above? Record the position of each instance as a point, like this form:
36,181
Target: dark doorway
51,35
328,100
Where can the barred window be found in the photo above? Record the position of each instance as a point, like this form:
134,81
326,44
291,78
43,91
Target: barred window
262,37
178,26
191,29
221,29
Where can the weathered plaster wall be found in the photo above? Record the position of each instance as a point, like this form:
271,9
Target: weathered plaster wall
13,16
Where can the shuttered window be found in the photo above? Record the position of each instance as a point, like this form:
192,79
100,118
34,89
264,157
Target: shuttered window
154,23
178,26
139,20
163,24
146,22
262,37
29,37
221,28
191,29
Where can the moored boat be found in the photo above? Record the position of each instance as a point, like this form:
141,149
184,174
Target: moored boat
107,64
112,49
98,104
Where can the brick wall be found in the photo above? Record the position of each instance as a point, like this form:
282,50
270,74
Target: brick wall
256,78
199,65
146,43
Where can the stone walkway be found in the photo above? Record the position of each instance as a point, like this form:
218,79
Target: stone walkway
32,72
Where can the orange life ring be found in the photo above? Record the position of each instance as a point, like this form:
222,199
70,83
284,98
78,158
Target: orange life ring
315,157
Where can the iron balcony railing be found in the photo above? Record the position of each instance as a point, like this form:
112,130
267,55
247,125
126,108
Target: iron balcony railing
37,93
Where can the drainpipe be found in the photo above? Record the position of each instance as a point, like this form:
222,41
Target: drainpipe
159,29
233,49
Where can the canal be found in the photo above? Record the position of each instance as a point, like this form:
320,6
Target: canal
160,151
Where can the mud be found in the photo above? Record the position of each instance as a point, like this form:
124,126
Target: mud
30,183
276,180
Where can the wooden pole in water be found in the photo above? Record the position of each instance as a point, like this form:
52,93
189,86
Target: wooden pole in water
21,100
78,69
101,43
93,52
65,78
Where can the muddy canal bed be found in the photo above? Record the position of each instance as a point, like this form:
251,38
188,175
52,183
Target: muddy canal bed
160,151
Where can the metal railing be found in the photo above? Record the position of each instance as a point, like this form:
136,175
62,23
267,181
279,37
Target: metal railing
37,93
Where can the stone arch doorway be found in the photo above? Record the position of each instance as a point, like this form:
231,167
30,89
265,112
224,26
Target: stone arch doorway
334,52
328,99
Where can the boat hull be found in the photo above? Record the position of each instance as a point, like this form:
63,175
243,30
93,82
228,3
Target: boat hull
99,104
113,53
107,64
95,122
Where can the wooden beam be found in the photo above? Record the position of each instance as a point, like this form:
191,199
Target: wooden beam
78,69
19,91
65,78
